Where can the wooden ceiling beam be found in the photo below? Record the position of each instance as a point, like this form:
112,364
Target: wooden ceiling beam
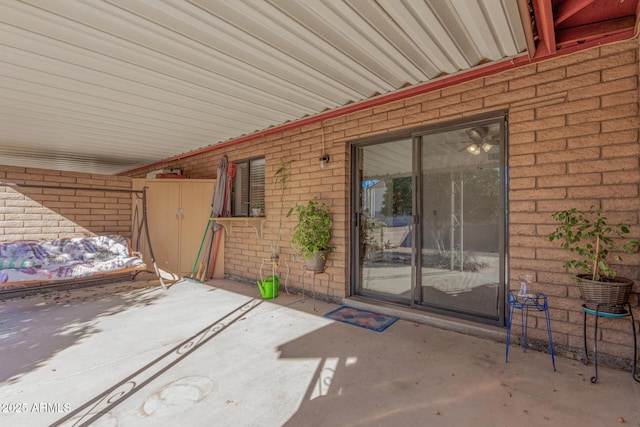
569,8
543,11
584,33
527,26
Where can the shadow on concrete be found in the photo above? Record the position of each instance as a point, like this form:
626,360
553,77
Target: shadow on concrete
34,329
106,401
355,371
414,375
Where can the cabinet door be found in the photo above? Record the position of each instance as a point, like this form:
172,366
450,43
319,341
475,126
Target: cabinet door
164,218
195,200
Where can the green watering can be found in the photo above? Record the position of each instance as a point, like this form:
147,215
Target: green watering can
269,288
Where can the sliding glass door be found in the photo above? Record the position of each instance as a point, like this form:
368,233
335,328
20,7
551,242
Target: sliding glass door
460,250
384,220
429,219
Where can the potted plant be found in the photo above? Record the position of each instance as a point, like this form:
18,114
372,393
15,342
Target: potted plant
312,234
256,209
270,285
281,176
593,241
371,236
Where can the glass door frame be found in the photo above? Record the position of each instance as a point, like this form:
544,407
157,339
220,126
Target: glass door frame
356,218
416,261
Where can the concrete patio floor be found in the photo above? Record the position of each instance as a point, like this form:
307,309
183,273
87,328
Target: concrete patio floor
131,354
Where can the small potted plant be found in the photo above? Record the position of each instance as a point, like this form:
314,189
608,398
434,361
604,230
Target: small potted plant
593,241
256,209
312,235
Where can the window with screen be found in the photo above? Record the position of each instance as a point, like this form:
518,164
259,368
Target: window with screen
248,187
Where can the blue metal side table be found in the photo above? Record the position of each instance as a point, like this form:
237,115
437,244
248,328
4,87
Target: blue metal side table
624,312
524,302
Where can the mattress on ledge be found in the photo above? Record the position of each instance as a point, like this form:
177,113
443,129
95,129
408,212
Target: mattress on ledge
28,262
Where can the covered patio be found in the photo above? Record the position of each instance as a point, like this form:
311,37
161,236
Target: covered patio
215,353
99,99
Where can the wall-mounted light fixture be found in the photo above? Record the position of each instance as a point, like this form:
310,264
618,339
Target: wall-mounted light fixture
323,161
324,158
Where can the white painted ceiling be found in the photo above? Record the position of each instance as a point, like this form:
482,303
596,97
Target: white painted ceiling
107,86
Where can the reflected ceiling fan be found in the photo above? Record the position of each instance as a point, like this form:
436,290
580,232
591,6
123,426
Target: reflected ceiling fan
481,139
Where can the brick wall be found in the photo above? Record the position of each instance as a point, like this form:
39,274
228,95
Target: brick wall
45,214
573,141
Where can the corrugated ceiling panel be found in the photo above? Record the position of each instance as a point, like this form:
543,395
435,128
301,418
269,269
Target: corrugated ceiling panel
105,86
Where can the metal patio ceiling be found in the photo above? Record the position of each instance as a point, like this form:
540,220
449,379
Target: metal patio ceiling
107,86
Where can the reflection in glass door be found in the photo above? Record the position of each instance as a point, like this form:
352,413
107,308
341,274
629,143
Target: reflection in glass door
428,229
461,220
384,210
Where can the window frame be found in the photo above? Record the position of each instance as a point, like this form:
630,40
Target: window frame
245,211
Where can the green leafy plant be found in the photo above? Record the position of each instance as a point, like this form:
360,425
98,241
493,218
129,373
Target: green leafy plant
256,208
588,235
372,233
281,176
312,234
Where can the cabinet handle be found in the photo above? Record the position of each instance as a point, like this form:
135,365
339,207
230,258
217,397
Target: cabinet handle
179,211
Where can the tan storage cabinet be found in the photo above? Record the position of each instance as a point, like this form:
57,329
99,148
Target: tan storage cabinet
178,211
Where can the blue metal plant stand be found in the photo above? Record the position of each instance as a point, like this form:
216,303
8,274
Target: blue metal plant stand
523,303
